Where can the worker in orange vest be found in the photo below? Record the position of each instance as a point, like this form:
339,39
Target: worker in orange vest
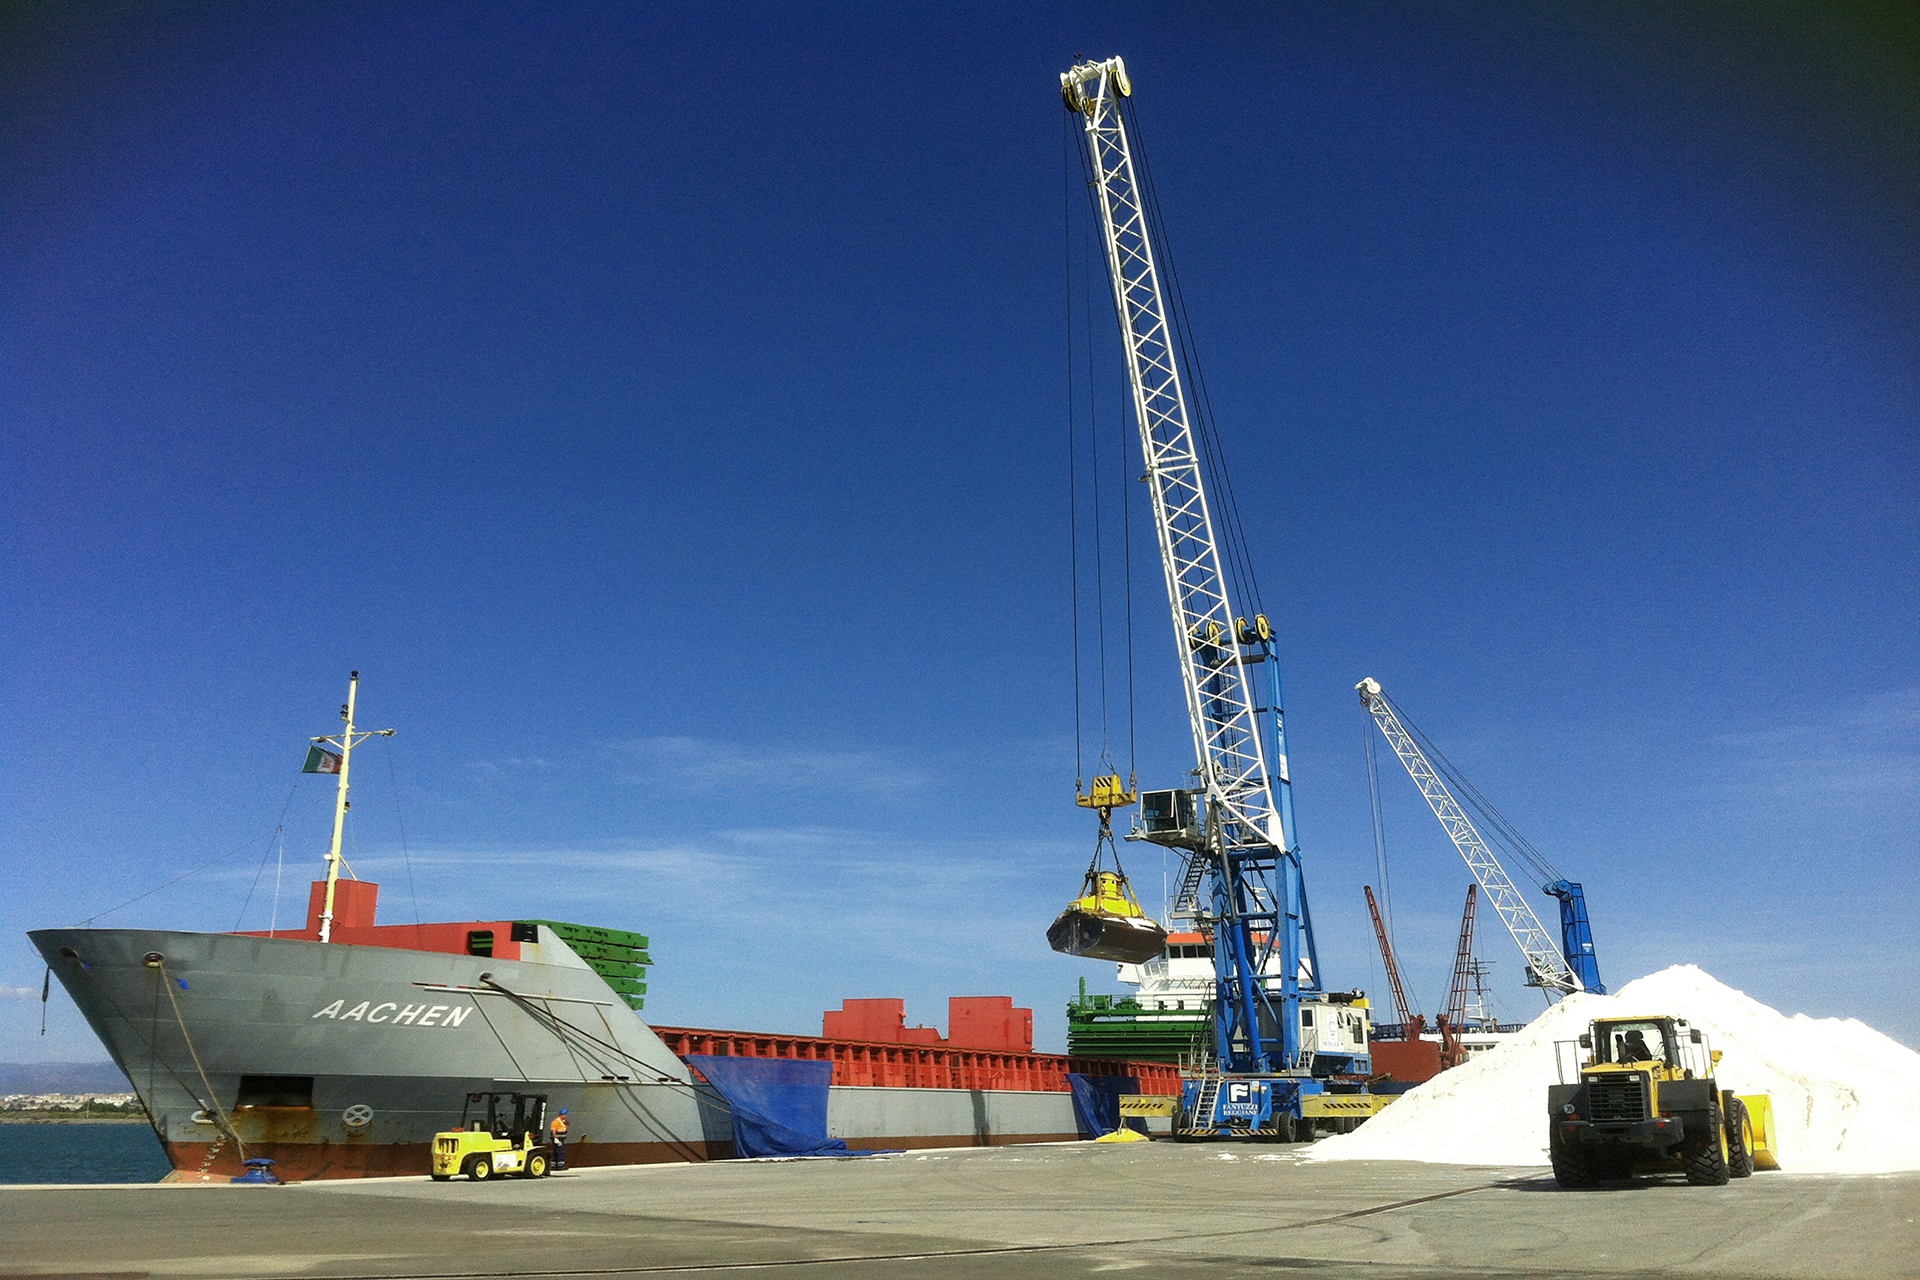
559,1131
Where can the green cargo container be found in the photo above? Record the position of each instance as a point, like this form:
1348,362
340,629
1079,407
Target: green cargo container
1122,1027
607,951
593,933
616,955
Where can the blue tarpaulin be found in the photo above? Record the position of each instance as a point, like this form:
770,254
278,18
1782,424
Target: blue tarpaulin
1096,1101
779,1105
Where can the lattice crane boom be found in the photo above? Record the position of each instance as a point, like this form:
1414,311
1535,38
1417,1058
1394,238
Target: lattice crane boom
1220,702
1546,966
1245,864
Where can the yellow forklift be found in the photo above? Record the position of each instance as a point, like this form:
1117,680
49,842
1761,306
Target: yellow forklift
1647,1100
500,1135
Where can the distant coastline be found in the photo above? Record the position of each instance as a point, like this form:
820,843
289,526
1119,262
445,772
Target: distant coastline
65,1117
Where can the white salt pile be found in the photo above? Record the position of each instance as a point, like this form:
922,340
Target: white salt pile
1846,1099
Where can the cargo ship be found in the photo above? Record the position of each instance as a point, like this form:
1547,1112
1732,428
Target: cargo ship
1168,1019
340,1049
1169,1011
342,1058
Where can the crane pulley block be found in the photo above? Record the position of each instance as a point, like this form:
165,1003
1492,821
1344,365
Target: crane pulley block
1107,793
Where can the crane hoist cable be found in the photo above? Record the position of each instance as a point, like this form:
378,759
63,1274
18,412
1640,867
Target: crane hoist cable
1095,484
1379,830
1095,480
1106,920
1504,832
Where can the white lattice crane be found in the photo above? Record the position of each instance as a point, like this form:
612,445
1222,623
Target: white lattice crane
1242,882
1547,966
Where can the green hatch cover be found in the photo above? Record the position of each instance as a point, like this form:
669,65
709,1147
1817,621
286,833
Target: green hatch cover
616,955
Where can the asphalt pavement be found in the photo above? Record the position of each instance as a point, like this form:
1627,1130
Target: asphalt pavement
1057,1210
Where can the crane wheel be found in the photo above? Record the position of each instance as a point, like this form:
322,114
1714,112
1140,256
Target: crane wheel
1707,1167
1739,1137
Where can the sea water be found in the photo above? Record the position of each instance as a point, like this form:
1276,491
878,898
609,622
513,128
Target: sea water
81,1153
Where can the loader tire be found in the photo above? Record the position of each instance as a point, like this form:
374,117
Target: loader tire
1707,1165
1739,1137
479,1168
1572,1168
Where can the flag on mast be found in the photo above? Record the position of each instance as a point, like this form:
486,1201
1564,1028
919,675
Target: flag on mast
320,760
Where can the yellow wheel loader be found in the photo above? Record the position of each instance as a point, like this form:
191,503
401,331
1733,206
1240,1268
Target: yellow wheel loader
1646,1099
500,1135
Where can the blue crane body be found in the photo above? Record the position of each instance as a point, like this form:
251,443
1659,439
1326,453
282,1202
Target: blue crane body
1576,936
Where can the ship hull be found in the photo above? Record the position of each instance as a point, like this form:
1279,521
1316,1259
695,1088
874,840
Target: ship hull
339,1060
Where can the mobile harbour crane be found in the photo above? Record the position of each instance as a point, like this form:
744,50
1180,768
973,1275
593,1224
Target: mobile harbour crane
1284,1049
1571,967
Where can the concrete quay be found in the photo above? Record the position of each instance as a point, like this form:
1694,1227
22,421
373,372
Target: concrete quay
1056,1210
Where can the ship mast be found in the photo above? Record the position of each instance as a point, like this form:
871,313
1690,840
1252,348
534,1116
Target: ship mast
347,740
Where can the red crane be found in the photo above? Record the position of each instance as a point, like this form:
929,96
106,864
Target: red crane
1411,1021
1463,962
1451,1055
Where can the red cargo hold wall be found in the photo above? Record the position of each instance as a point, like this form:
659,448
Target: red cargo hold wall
989,1022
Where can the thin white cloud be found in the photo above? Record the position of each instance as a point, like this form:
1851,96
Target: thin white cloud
707,764
511,766
19,993
812,886
1869,752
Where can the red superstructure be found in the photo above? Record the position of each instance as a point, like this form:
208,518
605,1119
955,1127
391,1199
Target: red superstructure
354,902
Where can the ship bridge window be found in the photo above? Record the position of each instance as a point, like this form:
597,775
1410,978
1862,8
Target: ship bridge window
275,1091
479,942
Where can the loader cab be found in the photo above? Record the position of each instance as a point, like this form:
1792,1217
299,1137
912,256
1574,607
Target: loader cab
1631,1040
1667,1046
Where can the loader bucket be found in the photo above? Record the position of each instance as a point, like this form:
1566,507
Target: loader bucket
1760,1112
1100,935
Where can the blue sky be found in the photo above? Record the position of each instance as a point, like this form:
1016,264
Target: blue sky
663,408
